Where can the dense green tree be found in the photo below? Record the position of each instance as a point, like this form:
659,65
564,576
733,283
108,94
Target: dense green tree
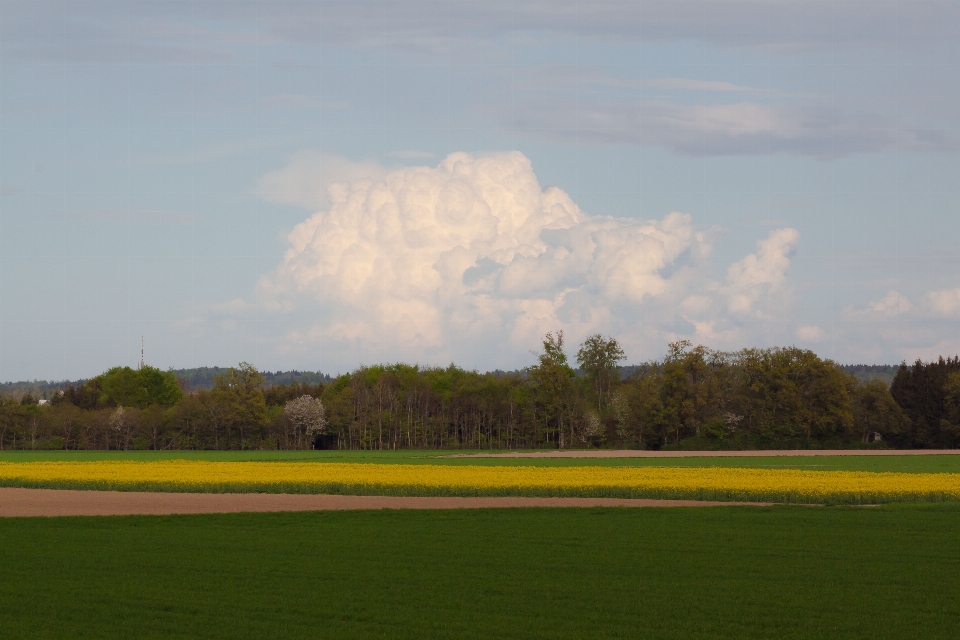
280,394
692,391
554,380
789,394
239,404
86,396
950,422
191,421
9,408
598,358
63,421
123,386
875,411
644,420
921,392
29,418
154,422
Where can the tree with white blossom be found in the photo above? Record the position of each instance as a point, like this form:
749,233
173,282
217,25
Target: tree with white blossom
308,417
120,423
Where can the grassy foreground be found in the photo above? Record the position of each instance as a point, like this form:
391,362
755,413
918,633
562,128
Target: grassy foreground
784,572
879,464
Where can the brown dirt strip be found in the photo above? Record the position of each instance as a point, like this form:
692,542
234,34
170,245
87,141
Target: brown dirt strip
633,453
16,502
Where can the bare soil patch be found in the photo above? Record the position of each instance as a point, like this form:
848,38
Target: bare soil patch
632,453
16,502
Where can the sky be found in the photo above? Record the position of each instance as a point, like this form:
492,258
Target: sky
323,185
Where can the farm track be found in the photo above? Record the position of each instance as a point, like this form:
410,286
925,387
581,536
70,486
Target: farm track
766,453
15,502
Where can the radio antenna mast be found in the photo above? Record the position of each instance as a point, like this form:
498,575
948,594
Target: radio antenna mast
141,352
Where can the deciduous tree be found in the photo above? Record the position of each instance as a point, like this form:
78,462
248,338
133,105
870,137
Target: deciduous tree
240,401
598,358
308,417
554,379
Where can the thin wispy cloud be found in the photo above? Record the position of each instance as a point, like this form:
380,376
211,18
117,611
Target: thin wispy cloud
213,31
944,303
891,305
689,84
561,78
306,179
743,128
811,334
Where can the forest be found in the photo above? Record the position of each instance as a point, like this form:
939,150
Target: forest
692,398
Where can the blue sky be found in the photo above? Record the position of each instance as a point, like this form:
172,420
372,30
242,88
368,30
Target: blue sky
319,185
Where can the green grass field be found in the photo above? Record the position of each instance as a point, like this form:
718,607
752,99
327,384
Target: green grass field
905,464
785,572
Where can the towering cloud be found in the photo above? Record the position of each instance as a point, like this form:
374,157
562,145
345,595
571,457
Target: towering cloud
457,261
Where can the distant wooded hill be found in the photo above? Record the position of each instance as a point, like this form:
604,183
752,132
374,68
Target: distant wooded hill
868,372
190,379
202,378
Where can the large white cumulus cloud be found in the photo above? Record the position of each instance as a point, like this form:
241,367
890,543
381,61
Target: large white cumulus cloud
458,261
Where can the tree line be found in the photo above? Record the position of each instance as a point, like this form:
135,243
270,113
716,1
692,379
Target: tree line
190,380
692,398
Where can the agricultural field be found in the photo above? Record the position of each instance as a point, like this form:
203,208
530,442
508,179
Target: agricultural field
778,479
790,571
726,572
887,463
697,483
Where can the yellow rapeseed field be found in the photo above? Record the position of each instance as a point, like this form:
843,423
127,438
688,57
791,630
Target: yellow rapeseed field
780,485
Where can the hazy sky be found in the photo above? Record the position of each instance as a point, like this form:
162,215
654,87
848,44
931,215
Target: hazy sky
319,185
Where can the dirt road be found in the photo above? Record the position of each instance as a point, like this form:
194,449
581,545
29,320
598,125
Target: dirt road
55,502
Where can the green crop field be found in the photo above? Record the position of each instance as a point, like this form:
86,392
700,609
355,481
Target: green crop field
784,572
899,463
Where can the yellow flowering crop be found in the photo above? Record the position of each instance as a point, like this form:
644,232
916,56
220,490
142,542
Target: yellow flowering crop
779,485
